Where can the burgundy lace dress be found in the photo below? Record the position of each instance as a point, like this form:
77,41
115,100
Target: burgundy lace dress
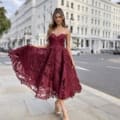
47,71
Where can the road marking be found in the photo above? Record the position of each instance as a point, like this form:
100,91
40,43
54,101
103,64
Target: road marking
83,62
118,68
81,68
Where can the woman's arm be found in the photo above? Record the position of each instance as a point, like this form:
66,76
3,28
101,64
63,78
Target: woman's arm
40,46
68,46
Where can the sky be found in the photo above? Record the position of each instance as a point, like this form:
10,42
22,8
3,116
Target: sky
12,5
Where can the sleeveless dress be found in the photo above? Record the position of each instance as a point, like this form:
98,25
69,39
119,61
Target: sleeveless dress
47,71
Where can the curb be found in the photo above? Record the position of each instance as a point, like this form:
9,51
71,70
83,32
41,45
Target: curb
103,95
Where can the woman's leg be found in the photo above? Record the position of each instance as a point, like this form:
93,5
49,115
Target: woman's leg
58,107
64,110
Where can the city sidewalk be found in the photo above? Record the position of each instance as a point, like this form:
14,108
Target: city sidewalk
17,102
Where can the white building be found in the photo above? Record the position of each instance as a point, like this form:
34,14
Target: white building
94,24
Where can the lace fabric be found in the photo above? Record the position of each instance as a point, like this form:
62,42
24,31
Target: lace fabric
47,71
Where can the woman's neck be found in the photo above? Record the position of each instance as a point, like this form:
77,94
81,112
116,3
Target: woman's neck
59,26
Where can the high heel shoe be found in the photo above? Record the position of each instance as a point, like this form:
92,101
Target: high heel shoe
57,108
65,115
65,118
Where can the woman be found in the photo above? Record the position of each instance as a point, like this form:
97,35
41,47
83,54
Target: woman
50,70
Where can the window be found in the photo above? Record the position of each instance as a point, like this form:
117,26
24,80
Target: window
78,7
86,19
96,3
85,31
78,17
99,4
81,42
72,17
95,21
62,2
72,5
103,33
78,30
95,32
87,43
92,21
103,44
67,4
82,18
98,32
99,13
92,11
71,29
81,31
91,31
82,8
86,9
67,15
38,26
98,22
109,34
95,12
93,2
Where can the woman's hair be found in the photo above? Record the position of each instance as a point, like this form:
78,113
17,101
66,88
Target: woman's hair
53,25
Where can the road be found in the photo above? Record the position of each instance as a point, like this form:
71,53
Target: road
101,72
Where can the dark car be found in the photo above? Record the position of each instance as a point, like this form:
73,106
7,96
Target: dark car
116,51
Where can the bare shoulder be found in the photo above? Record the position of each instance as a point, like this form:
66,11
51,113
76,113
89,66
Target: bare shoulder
67,31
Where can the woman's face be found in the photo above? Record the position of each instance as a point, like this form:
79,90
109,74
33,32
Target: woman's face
58,19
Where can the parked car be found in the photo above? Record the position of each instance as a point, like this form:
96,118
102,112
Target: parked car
110,51
116,51
85,50
3,50
75,51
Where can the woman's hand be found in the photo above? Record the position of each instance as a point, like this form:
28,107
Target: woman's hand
39,46
73,64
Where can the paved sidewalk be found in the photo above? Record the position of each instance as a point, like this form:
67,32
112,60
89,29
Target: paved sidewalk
18,102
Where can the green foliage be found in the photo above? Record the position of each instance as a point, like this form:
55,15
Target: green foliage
5,23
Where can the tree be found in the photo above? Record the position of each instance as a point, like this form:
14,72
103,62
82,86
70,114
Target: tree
5,23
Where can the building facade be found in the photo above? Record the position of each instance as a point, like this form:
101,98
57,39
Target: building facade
94,24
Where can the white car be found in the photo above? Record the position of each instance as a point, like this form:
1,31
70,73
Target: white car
75,51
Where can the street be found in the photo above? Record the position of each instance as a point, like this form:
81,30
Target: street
101,72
